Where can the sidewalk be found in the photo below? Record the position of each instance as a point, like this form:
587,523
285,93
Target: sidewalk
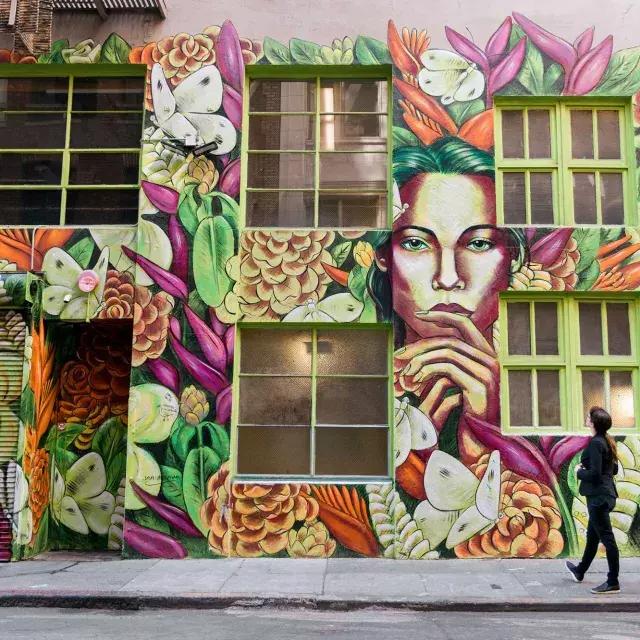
90,581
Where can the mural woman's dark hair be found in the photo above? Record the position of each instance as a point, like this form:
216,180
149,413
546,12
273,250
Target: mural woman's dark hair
447,155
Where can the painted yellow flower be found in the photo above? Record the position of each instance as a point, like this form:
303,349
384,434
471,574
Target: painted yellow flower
364,254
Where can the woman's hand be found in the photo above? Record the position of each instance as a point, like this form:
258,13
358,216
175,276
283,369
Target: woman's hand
463,358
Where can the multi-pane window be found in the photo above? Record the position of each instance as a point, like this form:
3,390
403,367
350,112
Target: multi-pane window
70,149
313,402
317,153
561,356
565,162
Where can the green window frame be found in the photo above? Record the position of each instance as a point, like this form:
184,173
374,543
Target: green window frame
318,74
67,187
366,430
541,178
533,355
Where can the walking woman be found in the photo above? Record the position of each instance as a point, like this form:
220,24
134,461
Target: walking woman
598,466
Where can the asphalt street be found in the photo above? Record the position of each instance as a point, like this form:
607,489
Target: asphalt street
266,624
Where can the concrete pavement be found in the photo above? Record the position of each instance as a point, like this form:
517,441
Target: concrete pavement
93,581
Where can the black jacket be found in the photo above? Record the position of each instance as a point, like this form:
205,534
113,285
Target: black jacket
596,479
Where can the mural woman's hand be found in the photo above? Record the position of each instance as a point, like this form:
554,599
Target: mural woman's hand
462,357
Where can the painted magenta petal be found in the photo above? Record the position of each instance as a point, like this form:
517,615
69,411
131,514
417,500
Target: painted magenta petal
232,105
556,48
229,55
211,379
165,373
583,42
151,543
506,70
161,197
468,49
547,250
176,329
229,341
166,281
546,443
230,179
219,327
565,449
223,406
590,68
499,39
180,246
516,452
212,345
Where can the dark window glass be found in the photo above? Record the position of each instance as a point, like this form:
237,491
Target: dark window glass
106,130
105,206
32,168
26,207
32,130
108,94
103,168
30,94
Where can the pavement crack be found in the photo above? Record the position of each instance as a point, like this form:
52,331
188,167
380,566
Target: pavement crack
231,575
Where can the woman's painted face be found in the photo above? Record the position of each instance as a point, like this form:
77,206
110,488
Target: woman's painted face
446,252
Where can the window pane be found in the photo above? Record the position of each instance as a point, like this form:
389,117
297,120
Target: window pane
358,351
520,409
512,134
618,331
611,198
274,450
104,168
581,133
280,170
539,133
548,398
361,210
279,95
108,94
546,314
30,207
515,209
351,401
33,168
541,186
275,401
104,206
106,130
280,208
343,133
353,170
590,329
353,95
281,132
32,131
26,94
622,405
519,329
584,198
608,134
270,351
592,390
354,452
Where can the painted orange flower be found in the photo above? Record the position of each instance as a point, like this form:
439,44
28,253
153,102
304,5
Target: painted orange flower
27,252
38,486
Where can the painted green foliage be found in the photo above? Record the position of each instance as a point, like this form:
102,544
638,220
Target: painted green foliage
190,273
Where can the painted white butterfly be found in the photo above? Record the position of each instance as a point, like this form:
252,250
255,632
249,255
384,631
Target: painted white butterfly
459,506
81,502
449,76
189,112
340,307
413,430
14,500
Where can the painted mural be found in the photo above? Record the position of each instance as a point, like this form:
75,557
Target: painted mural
156,480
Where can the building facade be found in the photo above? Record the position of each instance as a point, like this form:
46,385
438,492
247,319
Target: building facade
284,284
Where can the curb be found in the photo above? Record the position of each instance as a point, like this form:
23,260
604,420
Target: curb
138,601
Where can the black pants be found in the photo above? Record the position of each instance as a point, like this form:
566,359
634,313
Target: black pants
599,530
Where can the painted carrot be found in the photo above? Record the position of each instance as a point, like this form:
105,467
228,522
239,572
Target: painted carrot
410,476
337,275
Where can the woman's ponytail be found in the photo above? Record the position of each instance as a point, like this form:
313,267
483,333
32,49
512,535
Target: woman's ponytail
601,421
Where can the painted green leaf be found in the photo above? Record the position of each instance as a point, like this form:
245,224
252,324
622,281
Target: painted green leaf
572,480
531,75
622,76
303,51
358,282
188,206
55,53
403,137
172,486
462,111
552,79
15,286
589,241
588,277
371,51
63,438
276,52
369,313
213,245
116,470
148,519
64,459
115,50
197,304
228,208
341,252
183,438
201,464
216,437
110,442
82,251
